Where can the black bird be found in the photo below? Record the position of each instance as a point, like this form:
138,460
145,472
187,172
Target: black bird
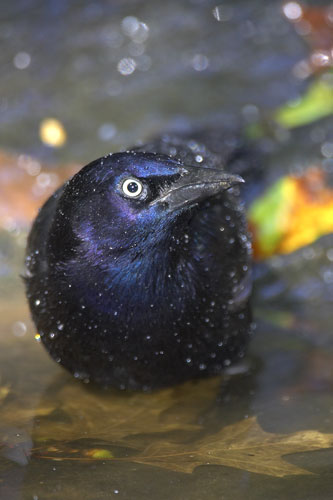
138,268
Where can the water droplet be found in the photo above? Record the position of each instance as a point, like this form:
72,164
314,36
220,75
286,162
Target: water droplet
223,13
327,149
200,62
126,66
19,329
130,25
293,11
328,276
107,131
22,60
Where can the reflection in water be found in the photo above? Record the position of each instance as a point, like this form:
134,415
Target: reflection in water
113,73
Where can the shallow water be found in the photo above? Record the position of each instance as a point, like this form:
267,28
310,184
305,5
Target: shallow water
62,439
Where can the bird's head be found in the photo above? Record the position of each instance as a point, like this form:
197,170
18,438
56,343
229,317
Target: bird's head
133,200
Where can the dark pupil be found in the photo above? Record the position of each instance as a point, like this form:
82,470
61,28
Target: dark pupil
133,187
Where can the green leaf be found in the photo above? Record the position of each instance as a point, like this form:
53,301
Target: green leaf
315,104
266,215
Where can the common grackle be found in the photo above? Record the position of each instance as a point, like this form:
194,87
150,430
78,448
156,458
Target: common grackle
138,268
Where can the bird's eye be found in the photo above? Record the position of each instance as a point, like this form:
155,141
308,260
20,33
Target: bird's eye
132,188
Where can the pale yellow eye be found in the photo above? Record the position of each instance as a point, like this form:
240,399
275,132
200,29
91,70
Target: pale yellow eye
132,188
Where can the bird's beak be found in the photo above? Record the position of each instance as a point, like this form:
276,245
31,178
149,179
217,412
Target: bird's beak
197,184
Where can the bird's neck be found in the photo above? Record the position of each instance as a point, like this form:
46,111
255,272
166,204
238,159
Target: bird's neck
150,274
147,275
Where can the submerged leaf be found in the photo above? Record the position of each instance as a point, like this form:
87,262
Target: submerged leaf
244,445
100,454
114,416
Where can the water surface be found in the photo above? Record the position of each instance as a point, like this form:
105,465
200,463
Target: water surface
114,73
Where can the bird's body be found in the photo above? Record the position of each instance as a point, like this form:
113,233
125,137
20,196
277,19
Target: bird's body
138,268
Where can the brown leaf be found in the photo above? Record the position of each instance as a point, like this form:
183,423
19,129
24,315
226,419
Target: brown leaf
25,184
315,25
244,445
114,416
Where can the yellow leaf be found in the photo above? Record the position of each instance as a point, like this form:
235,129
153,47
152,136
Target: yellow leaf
294,212
99,454
315,104
4,391
52,132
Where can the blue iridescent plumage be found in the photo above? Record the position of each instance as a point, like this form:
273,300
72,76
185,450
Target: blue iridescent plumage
138,268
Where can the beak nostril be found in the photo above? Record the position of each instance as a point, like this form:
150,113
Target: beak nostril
196,184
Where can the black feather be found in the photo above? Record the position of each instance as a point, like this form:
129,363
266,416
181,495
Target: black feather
145,291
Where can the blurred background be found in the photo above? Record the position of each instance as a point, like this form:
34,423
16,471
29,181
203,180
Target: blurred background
113,73
82,78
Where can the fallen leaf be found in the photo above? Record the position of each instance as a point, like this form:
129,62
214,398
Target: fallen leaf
100,454
244,445
315,25
294,212
315,104
75,412
25,184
